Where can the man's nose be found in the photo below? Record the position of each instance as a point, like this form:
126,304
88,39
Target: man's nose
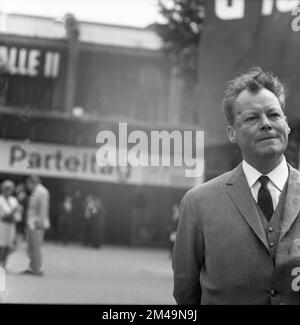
265,123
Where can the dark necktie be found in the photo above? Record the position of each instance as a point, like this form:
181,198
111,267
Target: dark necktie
264,199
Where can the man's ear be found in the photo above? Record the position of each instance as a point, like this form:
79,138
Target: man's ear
288,130
231,133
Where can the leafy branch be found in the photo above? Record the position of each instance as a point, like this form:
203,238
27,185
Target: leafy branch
182,31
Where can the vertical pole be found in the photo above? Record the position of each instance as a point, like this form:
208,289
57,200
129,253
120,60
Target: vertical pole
72,30
175,95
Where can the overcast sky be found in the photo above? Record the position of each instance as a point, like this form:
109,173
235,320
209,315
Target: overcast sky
138,13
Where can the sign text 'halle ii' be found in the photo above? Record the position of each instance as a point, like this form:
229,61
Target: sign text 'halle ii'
30,62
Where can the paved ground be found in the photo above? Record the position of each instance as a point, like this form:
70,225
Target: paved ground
110,275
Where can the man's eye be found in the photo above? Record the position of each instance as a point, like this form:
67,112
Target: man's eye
274,115
250,118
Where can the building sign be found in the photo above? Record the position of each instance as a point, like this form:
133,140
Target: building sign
236,9
31,62
60,161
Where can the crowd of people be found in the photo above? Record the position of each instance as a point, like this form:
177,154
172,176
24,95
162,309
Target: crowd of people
24,214
24,218
92,220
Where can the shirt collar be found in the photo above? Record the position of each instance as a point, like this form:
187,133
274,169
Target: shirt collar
278,175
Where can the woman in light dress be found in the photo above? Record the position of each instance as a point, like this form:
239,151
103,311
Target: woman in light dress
10,214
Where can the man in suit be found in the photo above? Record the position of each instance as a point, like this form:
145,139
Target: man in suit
237,231
37,223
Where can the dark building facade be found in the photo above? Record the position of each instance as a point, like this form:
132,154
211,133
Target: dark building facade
41,132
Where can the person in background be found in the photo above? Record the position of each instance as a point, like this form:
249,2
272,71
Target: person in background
98,221
10,214
138,216
174,225
22,198
94,213
65,219
88,211
37,223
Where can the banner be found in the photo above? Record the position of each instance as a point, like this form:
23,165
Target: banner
30,62
52,160
238,35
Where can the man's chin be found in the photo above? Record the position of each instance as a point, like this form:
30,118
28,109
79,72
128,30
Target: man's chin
269,153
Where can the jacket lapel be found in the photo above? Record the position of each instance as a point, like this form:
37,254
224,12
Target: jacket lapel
240,193
292,201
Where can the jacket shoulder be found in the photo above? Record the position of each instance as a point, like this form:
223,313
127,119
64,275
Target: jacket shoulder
212,186
294,173
41,190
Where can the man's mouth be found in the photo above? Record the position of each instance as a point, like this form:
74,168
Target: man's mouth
266,138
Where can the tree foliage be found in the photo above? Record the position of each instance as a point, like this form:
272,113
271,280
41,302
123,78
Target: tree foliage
182,31
184,23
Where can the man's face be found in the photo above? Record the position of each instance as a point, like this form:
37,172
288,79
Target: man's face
260,128
30,185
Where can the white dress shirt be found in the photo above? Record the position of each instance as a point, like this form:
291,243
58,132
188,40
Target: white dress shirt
278,177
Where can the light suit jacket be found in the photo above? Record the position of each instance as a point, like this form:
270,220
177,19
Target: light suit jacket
8,230
38,208
221,254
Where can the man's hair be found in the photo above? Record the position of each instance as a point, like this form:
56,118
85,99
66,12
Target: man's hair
253,80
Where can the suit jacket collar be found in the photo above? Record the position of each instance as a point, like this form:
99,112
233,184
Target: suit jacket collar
240,193
292,201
